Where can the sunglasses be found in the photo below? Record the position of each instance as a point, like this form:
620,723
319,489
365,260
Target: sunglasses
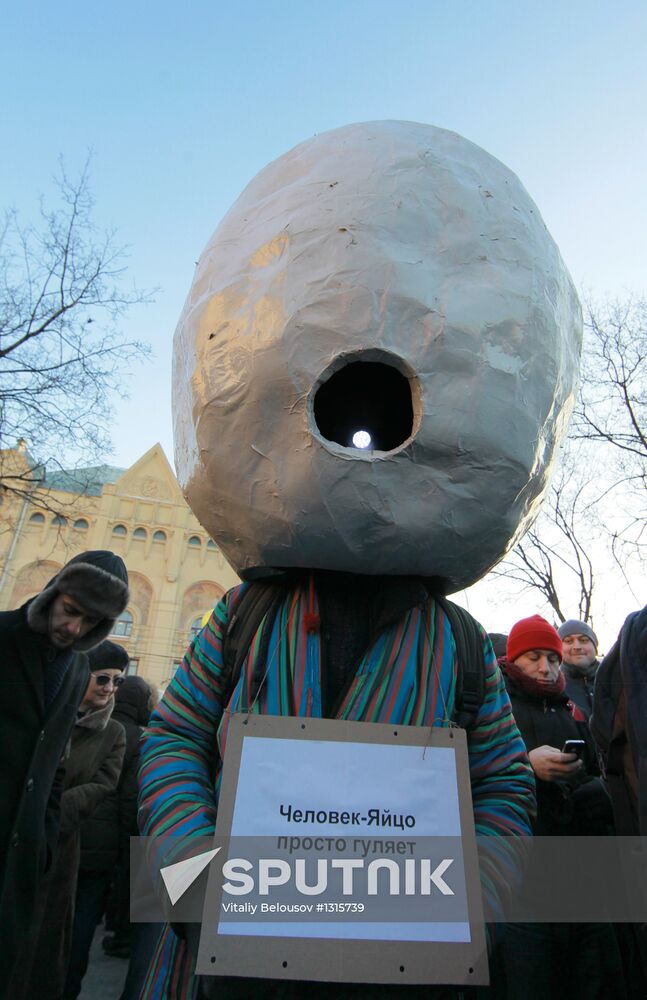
104,679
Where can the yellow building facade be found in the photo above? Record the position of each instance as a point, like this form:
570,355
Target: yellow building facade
176,572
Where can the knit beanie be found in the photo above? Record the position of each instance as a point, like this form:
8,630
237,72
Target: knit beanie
98,580
108,656
573,627
135,699
499,643
532,633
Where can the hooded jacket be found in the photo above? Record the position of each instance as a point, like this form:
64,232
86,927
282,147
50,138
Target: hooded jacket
41,688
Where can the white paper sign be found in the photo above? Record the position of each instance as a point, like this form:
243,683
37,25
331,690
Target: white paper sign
349,855
318,775
385,791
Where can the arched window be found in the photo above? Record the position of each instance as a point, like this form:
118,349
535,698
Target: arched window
159,536
123,625
196,626
37,518
211,544
119,529
81,524
195,541
59,521
139,533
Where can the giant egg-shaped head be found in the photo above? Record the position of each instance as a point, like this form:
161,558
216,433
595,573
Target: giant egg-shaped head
376,360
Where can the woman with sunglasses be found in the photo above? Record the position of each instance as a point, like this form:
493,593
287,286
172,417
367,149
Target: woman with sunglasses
104,870
92,769
101,690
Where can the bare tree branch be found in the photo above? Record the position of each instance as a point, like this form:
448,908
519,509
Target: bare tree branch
554,559
62,353
612,407
596,509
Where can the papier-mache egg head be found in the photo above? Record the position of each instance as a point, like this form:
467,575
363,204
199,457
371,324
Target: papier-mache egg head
376,360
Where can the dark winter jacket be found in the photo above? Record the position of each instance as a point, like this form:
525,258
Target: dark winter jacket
92,772
105,835
31,777
619,724
579,806
40,690
579,686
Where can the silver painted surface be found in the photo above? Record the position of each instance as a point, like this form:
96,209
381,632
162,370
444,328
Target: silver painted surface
393,237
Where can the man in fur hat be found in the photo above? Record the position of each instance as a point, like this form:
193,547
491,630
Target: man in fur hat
43,678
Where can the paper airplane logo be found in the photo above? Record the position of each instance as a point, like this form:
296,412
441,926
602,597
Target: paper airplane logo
181,876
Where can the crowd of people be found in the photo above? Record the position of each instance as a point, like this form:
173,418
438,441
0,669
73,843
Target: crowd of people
557,747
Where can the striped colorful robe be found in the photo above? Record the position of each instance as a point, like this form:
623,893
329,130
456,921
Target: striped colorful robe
408,677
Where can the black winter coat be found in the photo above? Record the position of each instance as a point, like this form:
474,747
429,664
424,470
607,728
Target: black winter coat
31,776
92,772
581,806
619,723
580,688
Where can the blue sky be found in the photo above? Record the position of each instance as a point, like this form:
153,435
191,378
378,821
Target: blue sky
182,104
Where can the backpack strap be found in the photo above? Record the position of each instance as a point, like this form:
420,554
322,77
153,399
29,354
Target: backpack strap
250,610
257,600
470,682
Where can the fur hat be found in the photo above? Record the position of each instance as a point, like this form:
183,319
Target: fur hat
532,633
573,627
98,580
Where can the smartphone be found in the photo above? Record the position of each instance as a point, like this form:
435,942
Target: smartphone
574,746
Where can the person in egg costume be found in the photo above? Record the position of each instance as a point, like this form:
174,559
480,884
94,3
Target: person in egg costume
372,372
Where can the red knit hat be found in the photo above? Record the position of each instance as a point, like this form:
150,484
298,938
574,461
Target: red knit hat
532,633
